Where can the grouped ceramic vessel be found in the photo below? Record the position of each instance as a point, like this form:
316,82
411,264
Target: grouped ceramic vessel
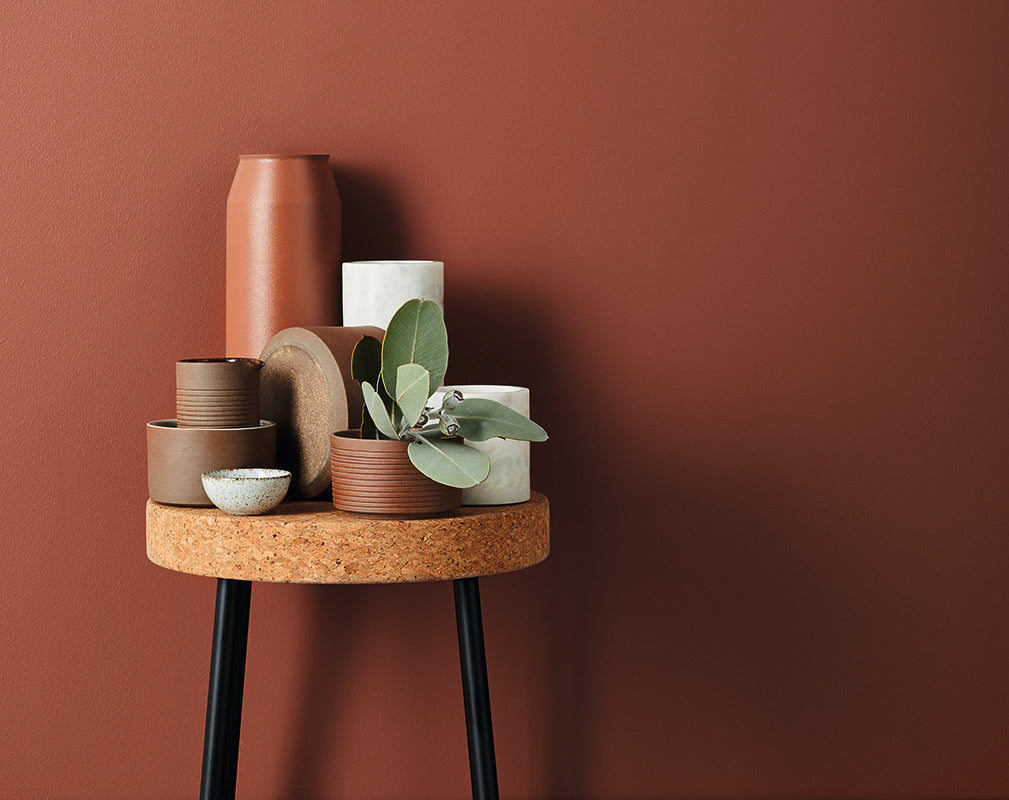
283,249
217,392
287,362
508,481
177,457
246,492
374,290
308,390
375,476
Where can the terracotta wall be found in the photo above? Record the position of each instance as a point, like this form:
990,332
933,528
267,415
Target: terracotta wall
751,257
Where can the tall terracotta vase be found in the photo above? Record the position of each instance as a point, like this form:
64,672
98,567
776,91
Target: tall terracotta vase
283,249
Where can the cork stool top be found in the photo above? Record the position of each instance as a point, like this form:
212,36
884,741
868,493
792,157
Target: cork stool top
311,542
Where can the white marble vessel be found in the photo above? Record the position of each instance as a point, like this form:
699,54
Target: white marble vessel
374,290
508,481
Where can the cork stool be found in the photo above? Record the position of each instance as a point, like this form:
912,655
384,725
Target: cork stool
311,542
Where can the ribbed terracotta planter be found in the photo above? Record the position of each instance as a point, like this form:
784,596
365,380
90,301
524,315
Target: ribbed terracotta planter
375,476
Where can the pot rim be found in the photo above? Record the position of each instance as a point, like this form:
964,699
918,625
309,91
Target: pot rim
351,440
173,425
481,388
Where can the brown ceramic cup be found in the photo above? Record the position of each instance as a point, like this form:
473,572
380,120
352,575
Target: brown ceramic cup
217,392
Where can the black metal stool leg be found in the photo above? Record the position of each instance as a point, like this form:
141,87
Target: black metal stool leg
227,681
475,692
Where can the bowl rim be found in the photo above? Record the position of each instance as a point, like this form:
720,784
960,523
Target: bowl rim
173,425
242,475
221,360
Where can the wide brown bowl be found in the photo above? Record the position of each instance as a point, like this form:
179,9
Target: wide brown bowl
177,457
375,476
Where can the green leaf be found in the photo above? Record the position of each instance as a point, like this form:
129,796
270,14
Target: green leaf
481,419
368,430
449,461
376,408
416,335
412,385
366,361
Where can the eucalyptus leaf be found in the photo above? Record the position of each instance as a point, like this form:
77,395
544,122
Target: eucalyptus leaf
417,335
449,461
412,387
376,409
481,419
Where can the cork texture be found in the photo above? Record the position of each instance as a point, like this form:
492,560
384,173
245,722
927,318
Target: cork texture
307,389
311,542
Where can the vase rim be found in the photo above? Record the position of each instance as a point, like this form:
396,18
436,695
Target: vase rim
385,262
270,156
481,388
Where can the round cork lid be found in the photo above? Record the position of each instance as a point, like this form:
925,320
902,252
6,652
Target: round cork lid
306,388
311,542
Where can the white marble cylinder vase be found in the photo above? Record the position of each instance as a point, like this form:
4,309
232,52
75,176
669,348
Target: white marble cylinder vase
374,290
508,481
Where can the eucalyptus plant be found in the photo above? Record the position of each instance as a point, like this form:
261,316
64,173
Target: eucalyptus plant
398,376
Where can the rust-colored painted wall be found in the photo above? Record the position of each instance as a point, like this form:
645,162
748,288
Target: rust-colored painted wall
751,257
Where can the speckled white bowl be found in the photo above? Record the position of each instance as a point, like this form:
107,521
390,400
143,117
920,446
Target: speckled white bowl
246,492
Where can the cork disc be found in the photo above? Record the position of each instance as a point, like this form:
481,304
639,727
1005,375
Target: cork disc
311,542
307,389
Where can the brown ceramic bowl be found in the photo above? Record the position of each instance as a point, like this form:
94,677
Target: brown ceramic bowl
375,476
217,392
177,457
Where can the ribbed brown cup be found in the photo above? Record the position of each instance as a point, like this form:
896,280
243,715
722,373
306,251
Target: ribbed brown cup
217,392
375,476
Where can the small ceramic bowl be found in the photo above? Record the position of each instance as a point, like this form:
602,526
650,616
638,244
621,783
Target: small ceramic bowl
246,492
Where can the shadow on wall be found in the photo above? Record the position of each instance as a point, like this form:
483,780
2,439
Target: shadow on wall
667,573
341,620
373,224
673,584
334,619
510,339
